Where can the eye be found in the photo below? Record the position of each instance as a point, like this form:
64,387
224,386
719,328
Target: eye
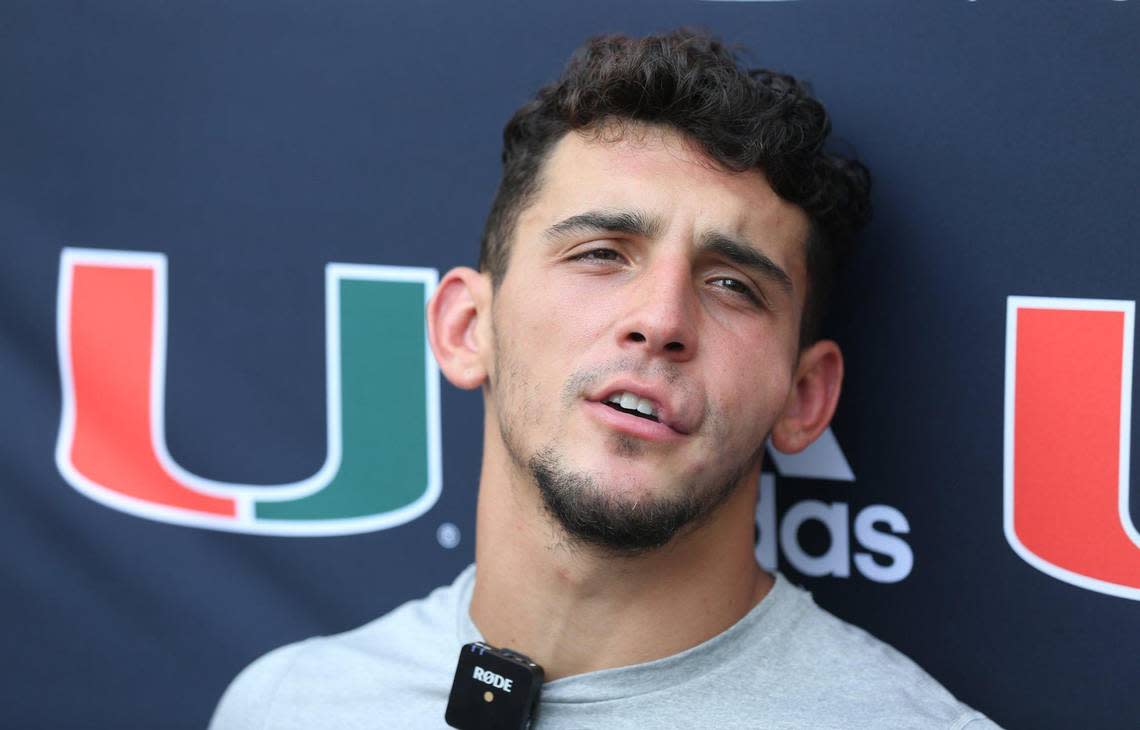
597,254
737,287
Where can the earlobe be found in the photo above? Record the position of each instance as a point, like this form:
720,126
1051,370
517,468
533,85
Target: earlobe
811,404
453,318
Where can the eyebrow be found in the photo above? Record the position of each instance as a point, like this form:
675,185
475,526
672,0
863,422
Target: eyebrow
748,257
614,221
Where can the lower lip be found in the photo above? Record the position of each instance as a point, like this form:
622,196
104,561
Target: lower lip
632,425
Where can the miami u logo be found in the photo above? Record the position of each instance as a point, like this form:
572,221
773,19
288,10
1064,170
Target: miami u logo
383,460
1068,413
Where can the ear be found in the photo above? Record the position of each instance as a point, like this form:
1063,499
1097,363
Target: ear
453,318
811,404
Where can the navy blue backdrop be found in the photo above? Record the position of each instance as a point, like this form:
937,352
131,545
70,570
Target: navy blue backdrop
252,143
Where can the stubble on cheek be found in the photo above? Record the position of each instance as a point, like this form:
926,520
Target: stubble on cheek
516,397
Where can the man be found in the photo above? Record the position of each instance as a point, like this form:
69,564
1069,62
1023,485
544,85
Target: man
645,317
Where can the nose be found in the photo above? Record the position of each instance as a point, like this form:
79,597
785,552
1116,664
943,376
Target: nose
662,313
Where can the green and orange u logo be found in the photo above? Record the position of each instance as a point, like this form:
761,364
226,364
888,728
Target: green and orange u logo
383,463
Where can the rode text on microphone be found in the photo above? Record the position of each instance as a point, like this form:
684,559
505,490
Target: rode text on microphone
494,689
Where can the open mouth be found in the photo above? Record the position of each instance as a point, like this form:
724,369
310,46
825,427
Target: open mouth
634,405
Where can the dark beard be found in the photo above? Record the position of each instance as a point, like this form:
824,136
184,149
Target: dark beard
590,516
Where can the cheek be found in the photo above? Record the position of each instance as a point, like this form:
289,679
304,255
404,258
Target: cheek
537,337
563,318
755,387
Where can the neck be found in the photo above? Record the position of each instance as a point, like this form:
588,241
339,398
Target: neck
575,609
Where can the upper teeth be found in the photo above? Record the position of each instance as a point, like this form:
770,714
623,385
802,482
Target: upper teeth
632,402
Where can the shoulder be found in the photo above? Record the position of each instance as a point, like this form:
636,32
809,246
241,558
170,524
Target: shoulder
249,697
335,678
850,671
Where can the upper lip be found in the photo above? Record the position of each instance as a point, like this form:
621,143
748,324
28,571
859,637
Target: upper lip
669,411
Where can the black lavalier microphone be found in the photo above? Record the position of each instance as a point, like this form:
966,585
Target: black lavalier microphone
494,689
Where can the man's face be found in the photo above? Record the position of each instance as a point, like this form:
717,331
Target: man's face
643,273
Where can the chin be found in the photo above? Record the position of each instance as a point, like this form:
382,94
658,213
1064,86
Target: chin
621,512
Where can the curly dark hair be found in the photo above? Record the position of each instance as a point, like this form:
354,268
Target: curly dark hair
742,118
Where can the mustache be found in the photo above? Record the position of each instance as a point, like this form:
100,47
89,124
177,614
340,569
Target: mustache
586,380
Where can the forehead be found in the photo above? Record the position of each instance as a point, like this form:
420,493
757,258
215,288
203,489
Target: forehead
662,173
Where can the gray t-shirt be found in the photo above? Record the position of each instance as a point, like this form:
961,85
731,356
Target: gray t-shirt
786,664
